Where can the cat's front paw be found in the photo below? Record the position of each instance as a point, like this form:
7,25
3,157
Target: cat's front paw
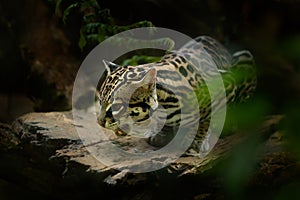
159,140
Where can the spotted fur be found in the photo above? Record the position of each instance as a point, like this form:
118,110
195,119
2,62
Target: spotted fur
151,96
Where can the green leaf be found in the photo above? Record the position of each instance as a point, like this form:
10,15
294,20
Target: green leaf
91,27
97,22
57,5
82,40
89,17
92,37
68,10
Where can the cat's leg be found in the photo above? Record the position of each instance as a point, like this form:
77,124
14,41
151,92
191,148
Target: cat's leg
163,137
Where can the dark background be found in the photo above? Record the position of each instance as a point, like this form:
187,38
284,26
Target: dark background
40,56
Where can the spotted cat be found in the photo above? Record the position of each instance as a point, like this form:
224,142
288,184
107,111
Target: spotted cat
147,99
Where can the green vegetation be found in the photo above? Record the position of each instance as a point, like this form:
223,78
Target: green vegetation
97,22
136,60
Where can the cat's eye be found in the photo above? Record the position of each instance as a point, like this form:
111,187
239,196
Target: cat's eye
116,107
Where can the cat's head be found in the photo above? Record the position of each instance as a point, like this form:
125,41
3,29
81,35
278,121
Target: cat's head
127,97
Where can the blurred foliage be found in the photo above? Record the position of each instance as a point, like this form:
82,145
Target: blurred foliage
138,60
97,22
290,191
246,116
291,49
291,125
152,52
236,170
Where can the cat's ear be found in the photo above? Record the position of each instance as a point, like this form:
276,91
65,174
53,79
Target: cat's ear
110,67
149,79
